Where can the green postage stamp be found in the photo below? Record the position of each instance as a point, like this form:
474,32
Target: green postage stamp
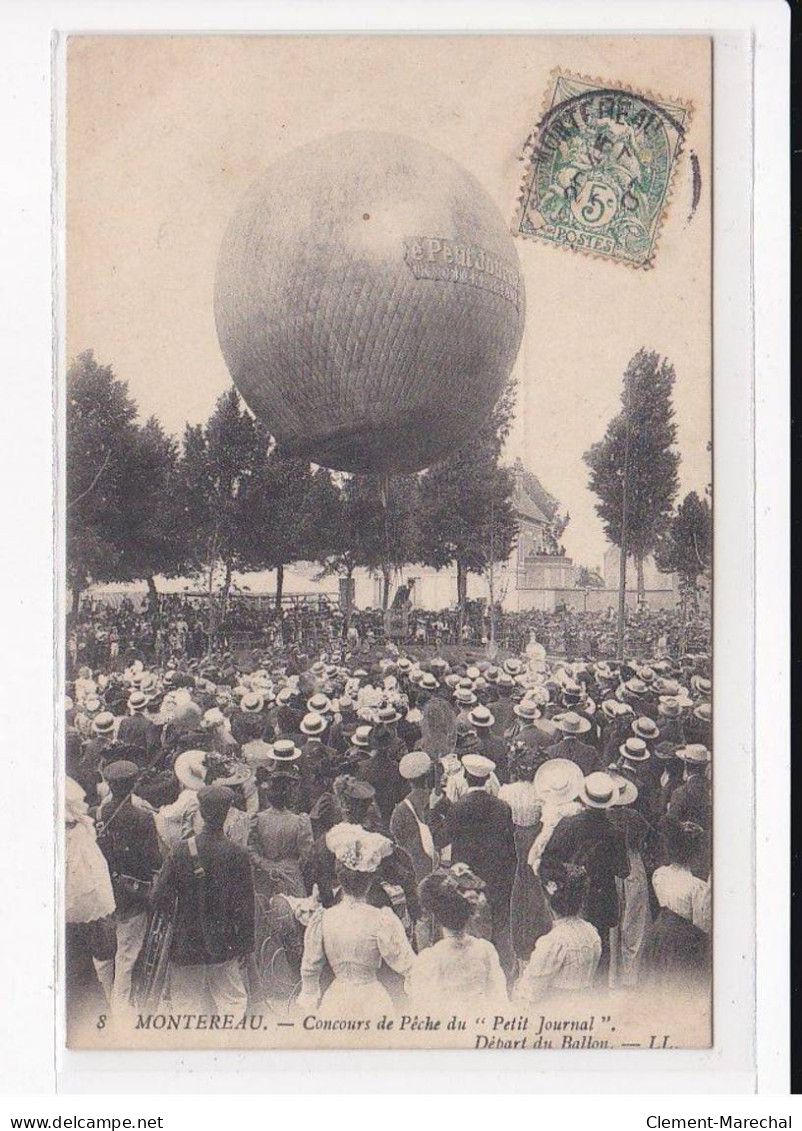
599,169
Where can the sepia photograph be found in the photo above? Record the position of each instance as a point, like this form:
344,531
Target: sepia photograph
388,571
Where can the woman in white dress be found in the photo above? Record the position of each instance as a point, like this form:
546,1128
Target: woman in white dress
353,938
565,959
460,971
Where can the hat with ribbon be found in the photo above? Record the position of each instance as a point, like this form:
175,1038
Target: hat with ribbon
634,750
481,717
646,728
571,723
313,725
598,791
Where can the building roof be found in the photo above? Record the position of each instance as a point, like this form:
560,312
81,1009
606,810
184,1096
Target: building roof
531,499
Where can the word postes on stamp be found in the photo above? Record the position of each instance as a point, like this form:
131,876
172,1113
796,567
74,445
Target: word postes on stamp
599,170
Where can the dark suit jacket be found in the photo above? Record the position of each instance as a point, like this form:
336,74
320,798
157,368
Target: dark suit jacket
590,839
136,730
575,750
214,920
480,830
382,772
502,711
131,847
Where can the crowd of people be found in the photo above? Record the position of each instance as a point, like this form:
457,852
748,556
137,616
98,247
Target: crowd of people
347,831
175,626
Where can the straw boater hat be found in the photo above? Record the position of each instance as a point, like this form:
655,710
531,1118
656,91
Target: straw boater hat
512,666
695,754
361,737
387,715
701,685
284,751
558,780
103,723
414,765
571,723
669,707
634,750
428,682
252,702
492,674
527,710
464,697
612,709
319,704
137,701
646,728
190,769
313,724
599,791
627,790
481,717
91,704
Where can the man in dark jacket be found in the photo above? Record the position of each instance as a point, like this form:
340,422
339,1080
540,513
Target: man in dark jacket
127,838
136,729
571,746
479,829
208,879
589,839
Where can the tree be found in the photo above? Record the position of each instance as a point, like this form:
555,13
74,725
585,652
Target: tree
101,455
686,548
467,513
154,538
633,470
284,509
219,460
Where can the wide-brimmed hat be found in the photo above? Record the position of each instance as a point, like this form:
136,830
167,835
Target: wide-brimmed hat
612,709
285,750
569,722
512,666
464,697
190,769
627,790
252,702
669,706
599,791
313,725
527,710
238,773
701,685
694,754
634,750
387,715
558,780
646,673
635,687
428,682
481,717
646,728
704,713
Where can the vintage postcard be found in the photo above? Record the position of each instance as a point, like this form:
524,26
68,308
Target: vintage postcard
388,570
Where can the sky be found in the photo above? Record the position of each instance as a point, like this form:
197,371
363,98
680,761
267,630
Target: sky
165,134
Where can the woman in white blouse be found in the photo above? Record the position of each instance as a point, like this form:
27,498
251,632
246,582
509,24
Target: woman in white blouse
565,959
353,938
677,949
460,971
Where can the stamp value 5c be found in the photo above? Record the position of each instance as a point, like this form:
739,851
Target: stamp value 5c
599,169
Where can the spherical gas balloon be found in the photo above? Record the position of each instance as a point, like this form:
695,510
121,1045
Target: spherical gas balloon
369,303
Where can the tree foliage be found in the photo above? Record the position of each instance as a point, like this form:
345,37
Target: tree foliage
686,548
467,502
640,441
